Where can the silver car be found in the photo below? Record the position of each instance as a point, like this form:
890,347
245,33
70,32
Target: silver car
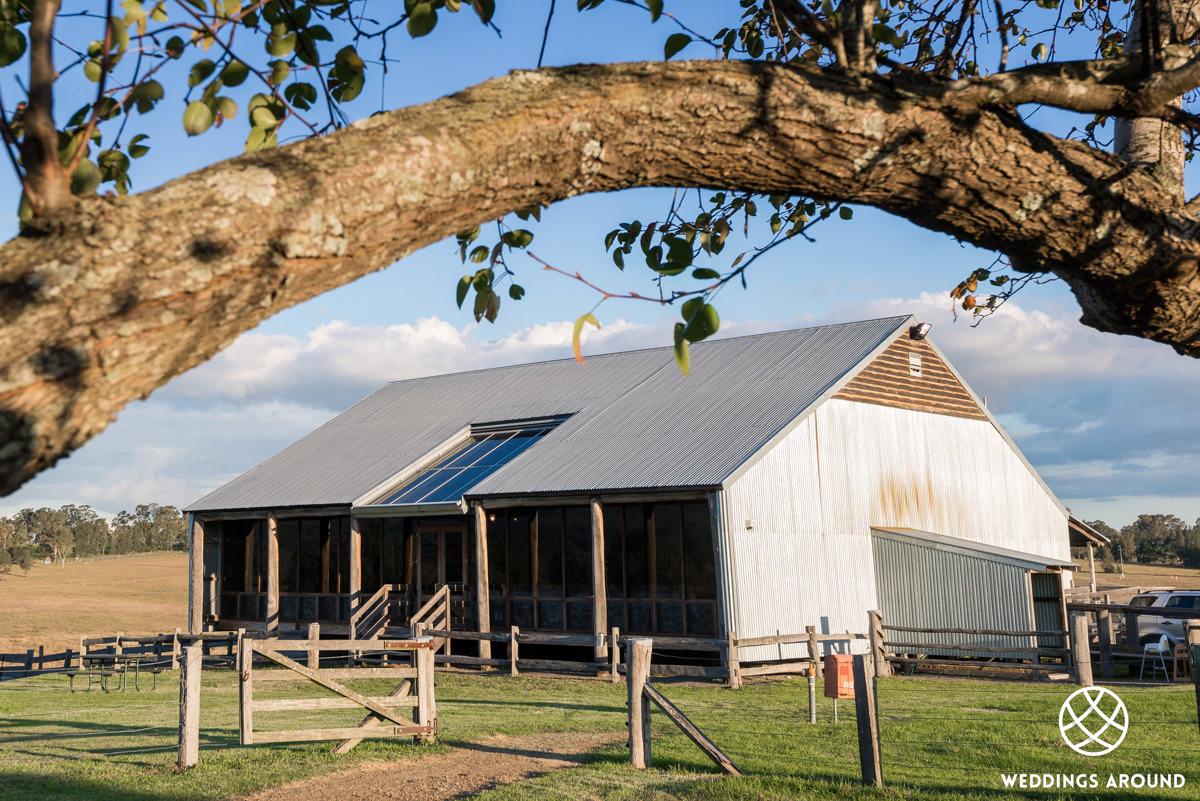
1151,628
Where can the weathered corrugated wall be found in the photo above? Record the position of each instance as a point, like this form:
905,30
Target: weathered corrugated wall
847,467
926,587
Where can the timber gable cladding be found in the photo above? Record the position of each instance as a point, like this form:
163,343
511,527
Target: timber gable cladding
894,379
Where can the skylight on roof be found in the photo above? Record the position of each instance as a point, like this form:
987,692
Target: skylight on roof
490,448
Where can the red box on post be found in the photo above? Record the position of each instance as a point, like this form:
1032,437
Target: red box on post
839,676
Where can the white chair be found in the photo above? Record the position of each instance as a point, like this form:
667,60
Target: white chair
1159,650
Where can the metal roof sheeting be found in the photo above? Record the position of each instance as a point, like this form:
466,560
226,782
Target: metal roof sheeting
636,422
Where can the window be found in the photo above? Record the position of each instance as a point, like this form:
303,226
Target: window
490,448
1182,602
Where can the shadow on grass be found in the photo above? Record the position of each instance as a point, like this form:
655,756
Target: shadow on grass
26,786
541,704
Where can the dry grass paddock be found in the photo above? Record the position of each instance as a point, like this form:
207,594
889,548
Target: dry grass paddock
55,605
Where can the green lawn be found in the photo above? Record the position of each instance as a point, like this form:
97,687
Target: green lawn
942,739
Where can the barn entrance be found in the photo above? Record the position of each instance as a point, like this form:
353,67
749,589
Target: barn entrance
441,561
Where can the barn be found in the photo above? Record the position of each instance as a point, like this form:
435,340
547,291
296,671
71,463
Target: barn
795,478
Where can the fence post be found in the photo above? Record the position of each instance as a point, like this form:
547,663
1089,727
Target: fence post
67,659
1081,650
1193,639
867,713
28,661
245,669
1105,630
314,656
512,650
41,658
814,650
426,710
118,649
878,650
637,671
614,655
732,661
812,697
189,708
175,649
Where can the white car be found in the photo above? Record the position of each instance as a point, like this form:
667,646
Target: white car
1151,628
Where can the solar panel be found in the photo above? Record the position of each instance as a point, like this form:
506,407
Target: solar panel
447,480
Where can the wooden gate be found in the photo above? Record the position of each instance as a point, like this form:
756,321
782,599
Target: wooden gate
387,716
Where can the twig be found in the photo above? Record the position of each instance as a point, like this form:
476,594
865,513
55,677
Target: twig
82,147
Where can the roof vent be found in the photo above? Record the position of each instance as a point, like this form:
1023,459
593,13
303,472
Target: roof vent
914,364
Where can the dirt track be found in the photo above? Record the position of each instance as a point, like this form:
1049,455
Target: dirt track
464,771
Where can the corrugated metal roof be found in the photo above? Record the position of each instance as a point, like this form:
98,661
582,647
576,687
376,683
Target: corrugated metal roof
636,422
1027,561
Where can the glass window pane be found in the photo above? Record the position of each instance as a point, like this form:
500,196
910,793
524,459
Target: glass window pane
668,552
701,622
639,618
371,534
579,616
577,551
520,558
497,544
414,490
310,558
550,616
233,556
522,614
699,570
637,553
614,557
616,614
549,552
474,453
288,532
670,619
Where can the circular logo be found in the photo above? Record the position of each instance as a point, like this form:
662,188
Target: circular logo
1093,720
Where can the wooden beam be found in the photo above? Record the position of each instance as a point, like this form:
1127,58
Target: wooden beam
638,654
245,668
272,574
355,566
483,606
305,735
599,581
1092,566
372,720
695,735
309,704
196,593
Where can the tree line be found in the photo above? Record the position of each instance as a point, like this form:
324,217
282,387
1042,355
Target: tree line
33,535
1151,539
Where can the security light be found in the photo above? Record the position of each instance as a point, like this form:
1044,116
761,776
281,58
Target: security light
919,330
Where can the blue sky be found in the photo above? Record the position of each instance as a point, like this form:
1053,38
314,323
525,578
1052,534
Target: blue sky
1109,421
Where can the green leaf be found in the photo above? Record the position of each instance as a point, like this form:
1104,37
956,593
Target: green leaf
91,70
1040,51
421,20
200,71
702,320
197,118
260,139
578,332
282,44
845,212
279,72
234,73
174,47
705,274
301,95
479,254
682,357
516,291
86,178
12,44
675,43
226,107
138,150
145,96
464,286
263,117
518,238
655,7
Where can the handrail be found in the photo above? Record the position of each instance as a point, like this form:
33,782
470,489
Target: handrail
440,598
371,605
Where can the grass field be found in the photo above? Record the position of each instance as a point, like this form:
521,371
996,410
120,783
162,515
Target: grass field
1181,578
55,605
944,740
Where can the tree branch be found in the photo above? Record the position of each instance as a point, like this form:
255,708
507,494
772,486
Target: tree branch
112,300
49,183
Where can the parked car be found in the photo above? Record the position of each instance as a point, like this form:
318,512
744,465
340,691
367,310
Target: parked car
1151,628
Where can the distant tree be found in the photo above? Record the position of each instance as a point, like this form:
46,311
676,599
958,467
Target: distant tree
22,557
1156,537
51,533
150,527
90,529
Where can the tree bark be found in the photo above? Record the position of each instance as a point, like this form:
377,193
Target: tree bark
1152,144
109,302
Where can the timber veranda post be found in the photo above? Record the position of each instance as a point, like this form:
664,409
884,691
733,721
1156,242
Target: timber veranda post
483,611
637,672
1193,641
